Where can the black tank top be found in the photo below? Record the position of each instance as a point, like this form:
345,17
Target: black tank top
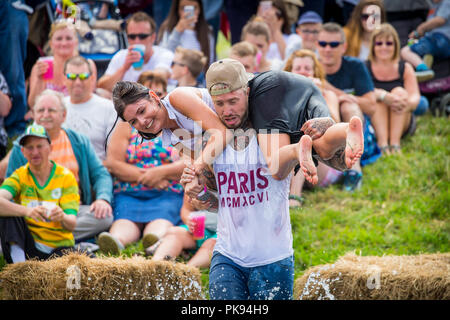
388,85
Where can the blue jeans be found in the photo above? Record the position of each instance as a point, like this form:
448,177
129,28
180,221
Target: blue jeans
436,44
229,281
13,48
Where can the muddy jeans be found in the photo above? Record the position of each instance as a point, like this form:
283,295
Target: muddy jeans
230,281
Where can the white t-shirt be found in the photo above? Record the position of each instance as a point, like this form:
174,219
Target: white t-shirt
169,138
94,118
253,226
274,53
161,58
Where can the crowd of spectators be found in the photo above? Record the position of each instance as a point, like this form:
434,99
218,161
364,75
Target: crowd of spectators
356,52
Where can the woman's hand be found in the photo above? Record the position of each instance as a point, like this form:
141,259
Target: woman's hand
186,23
153,178
39,69
101,209
397,103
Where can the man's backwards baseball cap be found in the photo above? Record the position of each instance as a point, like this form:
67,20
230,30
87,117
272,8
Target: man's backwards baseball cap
225,76
34,130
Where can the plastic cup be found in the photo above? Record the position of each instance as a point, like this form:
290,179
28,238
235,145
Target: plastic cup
141,49
48,75
49,206
199,230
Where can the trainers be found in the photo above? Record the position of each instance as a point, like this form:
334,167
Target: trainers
149,239
87,247
428,60
352,180
424,75
150,251
109,244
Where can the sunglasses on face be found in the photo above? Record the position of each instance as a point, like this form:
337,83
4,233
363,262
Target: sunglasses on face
366,16
74,76
141,36
308,31
177,63
332,44
380,43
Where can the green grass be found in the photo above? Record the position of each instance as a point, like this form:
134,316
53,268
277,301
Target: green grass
401,209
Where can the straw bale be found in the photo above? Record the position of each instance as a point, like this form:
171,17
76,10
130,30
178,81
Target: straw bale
354,277
75,276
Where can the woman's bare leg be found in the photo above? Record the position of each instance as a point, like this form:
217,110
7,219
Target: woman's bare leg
175,240
202,258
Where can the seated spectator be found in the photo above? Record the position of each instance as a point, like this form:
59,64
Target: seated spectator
87,113
63,41
180,238
349,79
181,29
74,151
154,81
147,197
307,30
245,53
38,203
187,65
433,40
366,16
141,30
396,90
305,62
257,32
5,108
280,31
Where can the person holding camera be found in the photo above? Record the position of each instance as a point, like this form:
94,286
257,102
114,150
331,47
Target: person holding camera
186,27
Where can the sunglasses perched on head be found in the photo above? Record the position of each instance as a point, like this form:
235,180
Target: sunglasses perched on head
380,43
332,44
141,36
74,76
365,16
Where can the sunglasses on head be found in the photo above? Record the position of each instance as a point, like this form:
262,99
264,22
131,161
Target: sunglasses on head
380,43
332,44
141,36
365,16
74,76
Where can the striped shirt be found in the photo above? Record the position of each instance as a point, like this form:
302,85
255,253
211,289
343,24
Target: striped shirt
61,189
62,153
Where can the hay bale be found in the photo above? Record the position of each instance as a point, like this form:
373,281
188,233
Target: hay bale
353,277
78,277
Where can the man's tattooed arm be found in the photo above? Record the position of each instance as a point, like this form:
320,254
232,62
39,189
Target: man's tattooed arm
316,127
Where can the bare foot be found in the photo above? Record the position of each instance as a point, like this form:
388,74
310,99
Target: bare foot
355,142
306,161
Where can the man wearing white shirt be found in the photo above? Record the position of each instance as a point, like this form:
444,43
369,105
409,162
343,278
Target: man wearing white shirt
140,30
87,113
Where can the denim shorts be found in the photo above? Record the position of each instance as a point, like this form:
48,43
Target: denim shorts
230,281
436,44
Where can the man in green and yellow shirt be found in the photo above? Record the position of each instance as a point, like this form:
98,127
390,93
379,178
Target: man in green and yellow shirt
39,220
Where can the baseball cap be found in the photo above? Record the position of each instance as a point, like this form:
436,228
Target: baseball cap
309,17
34,130
225,76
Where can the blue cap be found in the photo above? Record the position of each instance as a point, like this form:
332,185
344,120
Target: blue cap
309,17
